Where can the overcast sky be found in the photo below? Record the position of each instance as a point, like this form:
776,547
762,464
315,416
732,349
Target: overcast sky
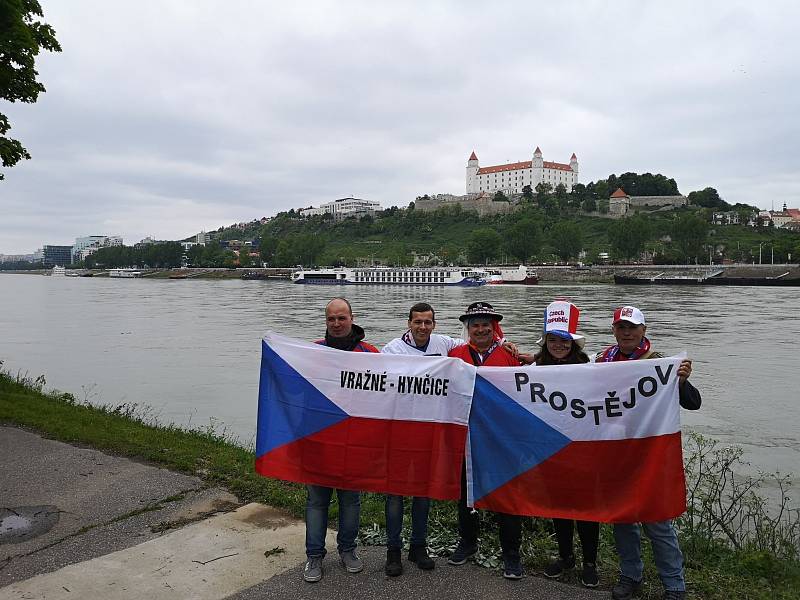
163,118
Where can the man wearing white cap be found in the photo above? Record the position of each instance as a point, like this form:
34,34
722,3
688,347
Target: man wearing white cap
629,329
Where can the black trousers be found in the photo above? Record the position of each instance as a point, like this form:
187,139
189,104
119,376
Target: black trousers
588,532
469,523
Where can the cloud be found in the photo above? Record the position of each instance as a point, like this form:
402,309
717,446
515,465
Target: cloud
166,118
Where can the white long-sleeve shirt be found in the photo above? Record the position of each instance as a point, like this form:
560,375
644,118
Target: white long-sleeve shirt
438,345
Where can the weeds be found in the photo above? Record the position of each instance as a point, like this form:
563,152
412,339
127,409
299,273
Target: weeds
724,506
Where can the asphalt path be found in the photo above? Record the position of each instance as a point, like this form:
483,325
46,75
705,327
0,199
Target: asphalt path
78,523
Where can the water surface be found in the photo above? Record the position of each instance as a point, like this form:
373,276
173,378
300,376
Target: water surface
190,349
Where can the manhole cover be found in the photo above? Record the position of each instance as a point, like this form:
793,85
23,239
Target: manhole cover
21,523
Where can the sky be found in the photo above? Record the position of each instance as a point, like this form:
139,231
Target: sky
163,118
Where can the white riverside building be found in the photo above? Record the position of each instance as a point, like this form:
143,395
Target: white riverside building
84,246
343,208
512,177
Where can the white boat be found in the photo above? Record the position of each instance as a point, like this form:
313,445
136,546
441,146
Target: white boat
461,276
124,273
521,275
58,271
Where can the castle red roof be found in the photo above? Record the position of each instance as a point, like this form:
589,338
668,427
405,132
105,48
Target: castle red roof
509,167
528,164
573,157
620,193
472,156
537,151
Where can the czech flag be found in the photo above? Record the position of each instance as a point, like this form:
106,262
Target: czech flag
594,442
362,421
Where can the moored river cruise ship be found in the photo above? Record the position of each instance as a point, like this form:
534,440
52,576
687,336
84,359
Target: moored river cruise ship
463,276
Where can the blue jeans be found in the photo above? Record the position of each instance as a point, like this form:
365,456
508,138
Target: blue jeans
394,521
666,552
317,503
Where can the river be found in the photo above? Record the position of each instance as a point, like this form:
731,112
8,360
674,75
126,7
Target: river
190,349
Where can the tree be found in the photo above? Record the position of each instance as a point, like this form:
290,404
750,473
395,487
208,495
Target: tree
483,245
244,256
527,193
689,233
523,239
708,198
500,197
567,239
22,36
307,248
627,236
267,248
589,205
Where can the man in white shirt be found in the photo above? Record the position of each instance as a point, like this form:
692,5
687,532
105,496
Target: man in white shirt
418,340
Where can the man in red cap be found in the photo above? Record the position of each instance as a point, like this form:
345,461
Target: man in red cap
629,328
485,348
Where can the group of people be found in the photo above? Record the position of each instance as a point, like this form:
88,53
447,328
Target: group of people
484,344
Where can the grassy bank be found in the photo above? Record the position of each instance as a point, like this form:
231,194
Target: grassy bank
734,547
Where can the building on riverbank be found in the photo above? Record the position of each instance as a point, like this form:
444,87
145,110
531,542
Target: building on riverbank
87,245
56,256
512,177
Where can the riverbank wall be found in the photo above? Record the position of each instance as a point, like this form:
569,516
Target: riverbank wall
546,273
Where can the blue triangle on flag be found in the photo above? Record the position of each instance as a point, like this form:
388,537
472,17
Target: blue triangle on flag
505,439
289,407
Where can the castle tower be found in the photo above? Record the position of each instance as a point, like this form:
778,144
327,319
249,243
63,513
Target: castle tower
472,173
537,168
573,163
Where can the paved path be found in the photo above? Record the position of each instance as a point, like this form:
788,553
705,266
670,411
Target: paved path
77,523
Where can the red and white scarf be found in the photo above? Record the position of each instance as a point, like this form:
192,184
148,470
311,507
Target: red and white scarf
613,354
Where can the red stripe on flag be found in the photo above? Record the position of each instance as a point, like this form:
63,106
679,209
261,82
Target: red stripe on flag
407,458
612,481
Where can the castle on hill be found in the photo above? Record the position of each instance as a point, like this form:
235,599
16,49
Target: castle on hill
512,177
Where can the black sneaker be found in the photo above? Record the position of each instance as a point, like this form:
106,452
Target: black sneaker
674,595
394,564
558,566
463,552
589,576
625,588
419,555
512,568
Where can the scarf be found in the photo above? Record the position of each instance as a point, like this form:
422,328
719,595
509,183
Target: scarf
408,338
613,354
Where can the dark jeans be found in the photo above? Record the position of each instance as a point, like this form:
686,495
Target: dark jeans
588,532
317,503
394,521
510,526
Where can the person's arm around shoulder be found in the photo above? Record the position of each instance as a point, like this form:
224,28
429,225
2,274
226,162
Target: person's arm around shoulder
449,342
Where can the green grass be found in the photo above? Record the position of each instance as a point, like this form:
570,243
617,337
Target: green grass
714,570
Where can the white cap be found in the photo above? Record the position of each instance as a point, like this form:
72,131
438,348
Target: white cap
631,314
